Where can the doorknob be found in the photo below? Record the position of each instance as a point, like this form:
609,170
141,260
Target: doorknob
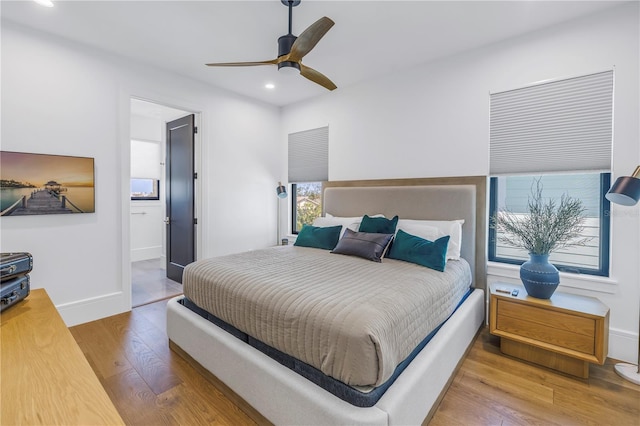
167,220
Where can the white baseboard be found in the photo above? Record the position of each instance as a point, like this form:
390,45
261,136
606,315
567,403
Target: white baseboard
94,308
146,253
623,345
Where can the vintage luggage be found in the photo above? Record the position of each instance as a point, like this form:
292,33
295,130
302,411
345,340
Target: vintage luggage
14,290
15,264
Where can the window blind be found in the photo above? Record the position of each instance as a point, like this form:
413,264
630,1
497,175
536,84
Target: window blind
309,155
145,159
564,125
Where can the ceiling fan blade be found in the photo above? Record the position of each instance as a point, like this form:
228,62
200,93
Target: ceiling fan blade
317,77
309,38
243,64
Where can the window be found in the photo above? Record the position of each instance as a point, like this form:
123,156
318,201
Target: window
146,170
512,193
306,204
308,168
559,132
145,189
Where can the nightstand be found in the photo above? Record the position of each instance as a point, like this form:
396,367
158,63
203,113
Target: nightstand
565,333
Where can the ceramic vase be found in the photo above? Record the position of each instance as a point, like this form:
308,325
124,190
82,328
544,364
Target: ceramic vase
540,278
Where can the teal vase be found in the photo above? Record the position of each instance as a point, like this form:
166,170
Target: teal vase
540,278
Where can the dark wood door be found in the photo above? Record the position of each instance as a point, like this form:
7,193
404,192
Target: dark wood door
180,177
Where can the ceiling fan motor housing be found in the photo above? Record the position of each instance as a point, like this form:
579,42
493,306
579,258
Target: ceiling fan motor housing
284,48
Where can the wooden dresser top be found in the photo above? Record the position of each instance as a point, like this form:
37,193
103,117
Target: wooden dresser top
46,379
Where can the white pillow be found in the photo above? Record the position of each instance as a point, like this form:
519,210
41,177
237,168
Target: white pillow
433,229
352,223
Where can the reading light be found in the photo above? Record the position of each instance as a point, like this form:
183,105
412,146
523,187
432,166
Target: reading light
281,190
46,3
626,191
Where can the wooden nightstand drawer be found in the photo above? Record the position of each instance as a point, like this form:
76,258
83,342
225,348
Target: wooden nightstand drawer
554,319
555,328
545,334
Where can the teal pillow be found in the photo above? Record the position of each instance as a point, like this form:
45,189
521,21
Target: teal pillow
323,238
432,254
379,225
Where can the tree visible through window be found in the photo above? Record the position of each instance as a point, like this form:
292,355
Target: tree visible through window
307,204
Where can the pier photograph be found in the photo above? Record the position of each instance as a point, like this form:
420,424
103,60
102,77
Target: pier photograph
36,184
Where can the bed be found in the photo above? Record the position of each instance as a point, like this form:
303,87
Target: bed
272,390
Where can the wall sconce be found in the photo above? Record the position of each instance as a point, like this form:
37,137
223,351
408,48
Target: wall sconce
281,190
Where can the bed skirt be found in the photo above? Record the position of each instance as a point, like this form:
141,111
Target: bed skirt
284,397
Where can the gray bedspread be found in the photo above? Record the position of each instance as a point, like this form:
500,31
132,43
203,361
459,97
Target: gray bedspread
353,319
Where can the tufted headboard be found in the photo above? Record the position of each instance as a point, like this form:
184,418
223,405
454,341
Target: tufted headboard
425,198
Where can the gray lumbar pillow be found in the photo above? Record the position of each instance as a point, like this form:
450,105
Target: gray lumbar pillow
368,245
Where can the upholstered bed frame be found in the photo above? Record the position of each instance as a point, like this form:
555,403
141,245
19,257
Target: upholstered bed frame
266,390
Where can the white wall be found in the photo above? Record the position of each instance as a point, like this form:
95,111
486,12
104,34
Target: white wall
146,128
59,97
433,120
147,225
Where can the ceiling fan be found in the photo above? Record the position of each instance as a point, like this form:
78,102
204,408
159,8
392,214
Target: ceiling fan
292,49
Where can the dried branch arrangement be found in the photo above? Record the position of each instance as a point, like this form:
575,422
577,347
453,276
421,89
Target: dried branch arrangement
547,227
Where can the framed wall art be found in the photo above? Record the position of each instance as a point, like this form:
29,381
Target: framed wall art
37,184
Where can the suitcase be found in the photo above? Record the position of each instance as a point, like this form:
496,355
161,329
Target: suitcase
14,290
15,264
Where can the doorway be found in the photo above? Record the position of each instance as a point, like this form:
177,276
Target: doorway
148,230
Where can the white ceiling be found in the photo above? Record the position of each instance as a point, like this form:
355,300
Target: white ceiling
369,39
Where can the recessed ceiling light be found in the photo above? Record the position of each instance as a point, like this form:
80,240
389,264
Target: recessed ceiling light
270,86
47,3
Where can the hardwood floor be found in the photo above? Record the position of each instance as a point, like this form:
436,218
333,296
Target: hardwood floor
149,283
151,385
148,383
493,389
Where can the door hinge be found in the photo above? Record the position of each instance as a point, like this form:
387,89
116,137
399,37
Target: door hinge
195,175
195,221
195,130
